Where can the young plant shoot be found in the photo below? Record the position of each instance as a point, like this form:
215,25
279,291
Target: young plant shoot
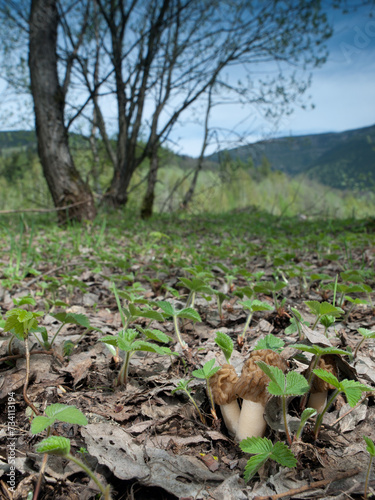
187,313
262,450
284,386
183,387
352,389
60,446
205,373
126,340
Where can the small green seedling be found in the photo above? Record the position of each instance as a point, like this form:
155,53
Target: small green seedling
306,414
126,340
352,389
206,372
183,386
226,345
57,412
196,285
322,309
70,319
262,450
253,306
327,321
60,446
270,342
20,323
220,297
284,386
371,449
170,312
366,334
271,288
296,324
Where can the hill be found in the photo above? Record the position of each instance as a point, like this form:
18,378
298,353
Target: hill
342,160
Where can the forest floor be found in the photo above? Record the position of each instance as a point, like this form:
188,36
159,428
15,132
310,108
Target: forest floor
145,439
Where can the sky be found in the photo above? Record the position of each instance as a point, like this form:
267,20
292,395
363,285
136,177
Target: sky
342,92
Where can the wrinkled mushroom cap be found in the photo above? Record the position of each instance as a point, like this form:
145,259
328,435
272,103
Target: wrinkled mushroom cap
328,363
223,385
253,381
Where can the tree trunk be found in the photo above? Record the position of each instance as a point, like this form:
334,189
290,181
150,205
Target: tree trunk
148,200
63,179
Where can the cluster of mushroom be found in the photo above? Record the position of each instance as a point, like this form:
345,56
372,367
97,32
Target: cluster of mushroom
251,387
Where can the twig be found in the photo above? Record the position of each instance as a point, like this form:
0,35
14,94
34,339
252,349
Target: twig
18,356
42,210
349,411
312,486
26,383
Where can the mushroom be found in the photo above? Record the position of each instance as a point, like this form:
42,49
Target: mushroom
252,388
319,388
223,385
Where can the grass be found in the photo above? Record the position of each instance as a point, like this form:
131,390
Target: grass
22,186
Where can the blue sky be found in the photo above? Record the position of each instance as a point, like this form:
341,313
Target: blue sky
342,91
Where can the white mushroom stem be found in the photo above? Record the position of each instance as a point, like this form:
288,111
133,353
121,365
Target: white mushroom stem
231,415
251,422
318,401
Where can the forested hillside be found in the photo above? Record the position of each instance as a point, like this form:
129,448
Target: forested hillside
341,160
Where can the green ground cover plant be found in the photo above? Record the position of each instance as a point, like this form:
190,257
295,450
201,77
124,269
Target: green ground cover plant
120,296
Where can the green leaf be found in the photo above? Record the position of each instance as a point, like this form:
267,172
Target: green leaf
327,308
110,339
156,335
189,313
327,320
182,386
327,377
256,305
167,308
368,334
254,445
314,306
40,423
25,300
55,445
225,343
73,319
207,371
140,345
66,413
319,351
296,384
282,454
306,414
138,312
353,391
277,384
126,339
270,342
254,464
370,445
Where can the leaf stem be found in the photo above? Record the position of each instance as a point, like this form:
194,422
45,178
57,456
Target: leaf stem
177,330
319,418
286,422
89,472
368,476
26,383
